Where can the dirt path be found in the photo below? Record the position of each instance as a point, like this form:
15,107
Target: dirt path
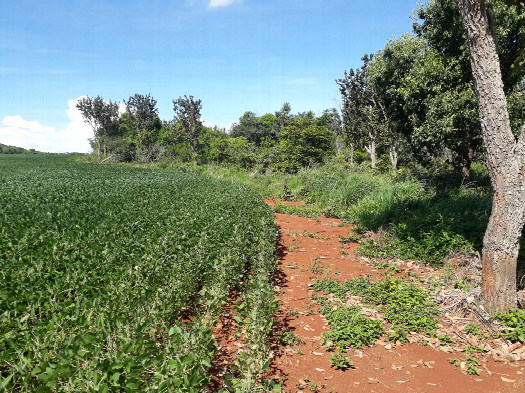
309,247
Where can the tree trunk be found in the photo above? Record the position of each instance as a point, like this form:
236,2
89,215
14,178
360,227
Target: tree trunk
98,149
371,148
392,152
352,154
505,159
467,163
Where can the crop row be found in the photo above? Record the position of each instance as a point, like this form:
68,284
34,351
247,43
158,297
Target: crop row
110,276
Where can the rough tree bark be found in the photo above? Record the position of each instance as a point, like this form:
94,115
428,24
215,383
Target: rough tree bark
392,152
505,157
371,148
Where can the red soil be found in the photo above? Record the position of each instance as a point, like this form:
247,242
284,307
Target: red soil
381,368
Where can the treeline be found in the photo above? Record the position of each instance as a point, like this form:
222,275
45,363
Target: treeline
281,140
412,102
6,149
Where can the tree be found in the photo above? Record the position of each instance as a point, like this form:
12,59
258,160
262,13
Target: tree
361,112
145,122
249,127
440,91
386,73
102,116
188,114
304,143
505,157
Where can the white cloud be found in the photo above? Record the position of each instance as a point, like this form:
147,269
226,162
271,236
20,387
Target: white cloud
222,3
206,123
16,131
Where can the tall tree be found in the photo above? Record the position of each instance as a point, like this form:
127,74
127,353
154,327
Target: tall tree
188,114
389,69
442,86
142,110
505,157
102,116
146,124
362,121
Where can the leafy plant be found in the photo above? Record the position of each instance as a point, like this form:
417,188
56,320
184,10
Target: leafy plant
472,329
340,361
515,320
289,338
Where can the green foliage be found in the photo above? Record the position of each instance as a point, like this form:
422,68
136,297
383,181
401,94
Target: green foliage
99,265
515,320
340,361
289,338
445,340
303,144
406,306
472,328
348,328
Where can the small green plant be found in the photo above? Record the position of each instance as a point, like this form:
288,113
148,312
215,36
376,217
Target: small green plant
289,338
472,328
306,233
348,328
340,361
445,340
315,265
387,266
315,386
475,349
472,360
515,320
351,237
471,370
454,361
294,243
399,334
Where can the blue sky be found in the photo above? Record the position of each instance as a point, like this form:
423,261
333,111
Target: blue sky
235,55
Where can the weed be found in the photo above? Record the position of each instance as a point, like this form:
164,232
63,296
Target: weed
315,386
399,334
445,340
340,361
294,243
349,328
315,265
514,319
387,266
471,370
472,360
454,361
475,349
289,338
472,329
351,237
312,235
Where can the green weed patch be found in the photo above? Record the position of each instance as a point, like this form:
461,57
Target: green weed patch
405,306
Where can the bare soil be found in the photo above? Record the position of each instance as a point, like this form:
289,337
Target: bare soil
310,248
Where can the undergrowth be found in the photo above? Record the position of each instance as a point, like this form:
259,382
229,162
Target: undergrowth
405,306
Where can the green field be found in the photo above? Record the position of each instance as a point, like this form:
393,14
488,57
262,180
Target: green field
110,277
